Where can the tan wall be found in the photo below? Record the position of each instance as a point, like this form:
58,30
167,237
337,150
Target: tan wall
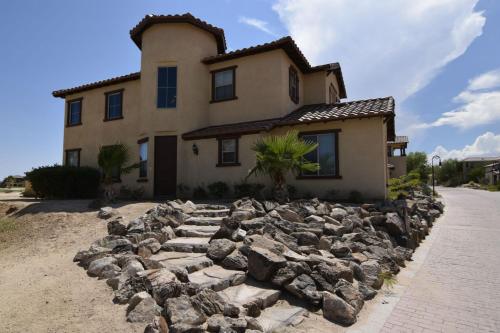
362,164
399,163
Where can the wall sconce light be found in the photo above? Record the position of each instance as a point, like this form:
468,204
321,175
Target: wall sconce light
195,149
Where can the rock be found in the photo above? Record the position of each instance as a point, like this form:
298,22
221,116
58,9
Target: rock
148,247
338,213
106,213
334,230
255,223
85,257
104,268
306,238
220,248
394,224
313,219
289,215
267,243
231,310
181,312
337,310
286,274
322,284
303,287
359,257
236,261
372,270
167,233
209,302
162,284
367,292
253,325
357,271
128,289
253,309
136,226
333,272
325,243
142,308
350,294
112,242
116,227
340,250
219,323
262,263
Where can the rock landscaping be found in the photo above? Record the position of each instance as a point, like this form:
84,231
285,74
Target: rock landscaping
183,267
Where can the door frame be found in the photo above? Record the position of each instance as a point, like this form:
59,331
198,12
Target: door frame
156,169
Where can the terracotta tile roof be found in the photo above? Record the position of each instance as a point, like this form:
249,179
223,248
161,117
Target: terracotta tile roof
305,115
129,77
149,20
250,127
292,50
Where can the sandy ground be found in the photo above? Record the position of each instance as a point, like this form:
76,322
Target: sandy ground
41,288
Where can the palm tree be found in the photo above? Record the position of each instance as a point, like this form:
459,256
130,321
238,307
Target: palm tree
279,155
113,160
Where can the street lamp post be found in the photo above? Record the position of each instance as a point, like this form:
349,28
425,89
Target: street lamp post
433,181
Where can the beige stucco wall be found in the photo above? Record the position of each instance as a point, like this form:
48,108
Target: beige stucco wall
362,162
399,163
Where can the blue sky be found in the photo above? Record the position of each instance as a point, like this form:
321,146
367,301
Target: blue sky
425,53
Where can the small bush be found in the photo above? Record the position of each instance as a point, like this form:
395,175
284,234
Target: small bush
399,188
64,182
200,193
493,188
389,279
355,197
218,189
253,190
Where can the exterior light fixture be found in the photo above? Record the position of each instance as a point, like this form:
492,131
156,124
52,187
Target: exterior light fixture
195,149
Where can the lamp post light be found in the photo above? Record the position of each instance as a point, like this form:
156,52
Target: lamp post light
433,181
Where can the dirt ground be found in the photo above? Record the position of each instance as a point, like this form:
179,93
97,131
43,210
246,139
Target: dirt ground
41,288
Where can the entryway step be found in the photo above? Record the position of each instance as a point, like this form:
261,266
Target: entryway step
192,262
217,278
279,316
186,244
211,212
196,230
203,220
244,294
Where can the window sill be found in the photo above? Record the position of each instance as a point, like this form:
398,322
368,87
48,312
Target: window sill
319,177
111,119
219,165
223,100
73,125
142,180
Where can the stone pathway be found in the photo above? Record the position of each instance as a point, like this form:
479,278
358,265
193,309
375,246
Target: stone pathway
457,287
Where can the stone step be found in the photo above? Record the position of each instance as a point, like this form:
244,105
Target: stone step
217,278
192,262
186,244
196,230
280,316
211,212
204,221
244,294
210,207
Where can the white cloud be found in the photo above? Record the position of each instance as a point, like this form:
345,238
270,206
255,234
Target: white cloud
480,104
487,144
256,23
385,47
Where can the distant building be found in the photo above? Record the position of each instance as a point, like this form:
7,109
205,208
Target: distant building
470,163
492,173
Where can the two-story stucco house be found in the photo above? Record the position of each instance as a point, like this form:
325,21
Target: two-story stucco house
193,112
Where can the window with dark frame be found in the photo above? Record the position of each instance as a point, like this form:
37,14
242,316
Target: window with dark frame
293,84
326,154
223,84
167,88
114,101
74,112
143,158
228,152
72,157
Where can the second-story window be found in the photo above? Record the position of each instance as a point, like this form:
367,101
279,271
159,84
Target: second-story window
293,84
223,84
74,116
114,101
167,87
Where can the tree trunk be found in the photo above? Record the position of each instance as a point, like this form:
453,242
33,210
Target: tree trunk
280,193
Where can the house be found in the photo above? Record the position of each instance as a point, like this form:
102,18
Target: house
492,173
396,151
194,110
470,163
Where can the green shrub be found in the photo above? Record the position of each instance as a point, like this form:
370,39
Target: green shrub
244,189
7,224
493,188
417,161
200,193
218,189
399,188
355,197
450,173
64,182
476,174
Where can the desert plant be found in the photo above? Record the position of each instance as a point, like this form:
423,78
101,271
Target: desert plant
245,189
200,193
113,162
389,279
400,188
279,155
64,182
218,189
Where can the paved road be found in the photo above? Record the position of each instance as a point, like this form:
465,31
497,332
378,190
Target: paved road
457,287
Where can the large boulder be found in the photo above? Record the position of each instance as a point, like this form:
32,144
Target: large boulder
333,272
142,308
182,313
306,238
220,248
292,269
104,268
350,294
116,227
148,247
209,302
338,213
236,261
338,310
262,263
372,270
303,287
106,213
162,284
394,224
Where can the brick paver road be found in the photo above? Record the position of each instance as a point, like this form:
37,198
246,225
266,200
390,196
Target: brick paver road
457,288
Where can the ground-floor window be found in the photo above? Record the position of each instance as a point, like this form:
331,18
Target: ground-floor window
72,157
326,155
143,158
228,152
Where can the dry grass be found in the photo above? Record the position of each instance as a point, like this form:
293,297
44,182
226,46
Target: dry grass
7,224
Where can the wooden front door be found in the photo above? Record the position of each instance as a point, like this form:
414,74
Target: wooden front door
165,165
